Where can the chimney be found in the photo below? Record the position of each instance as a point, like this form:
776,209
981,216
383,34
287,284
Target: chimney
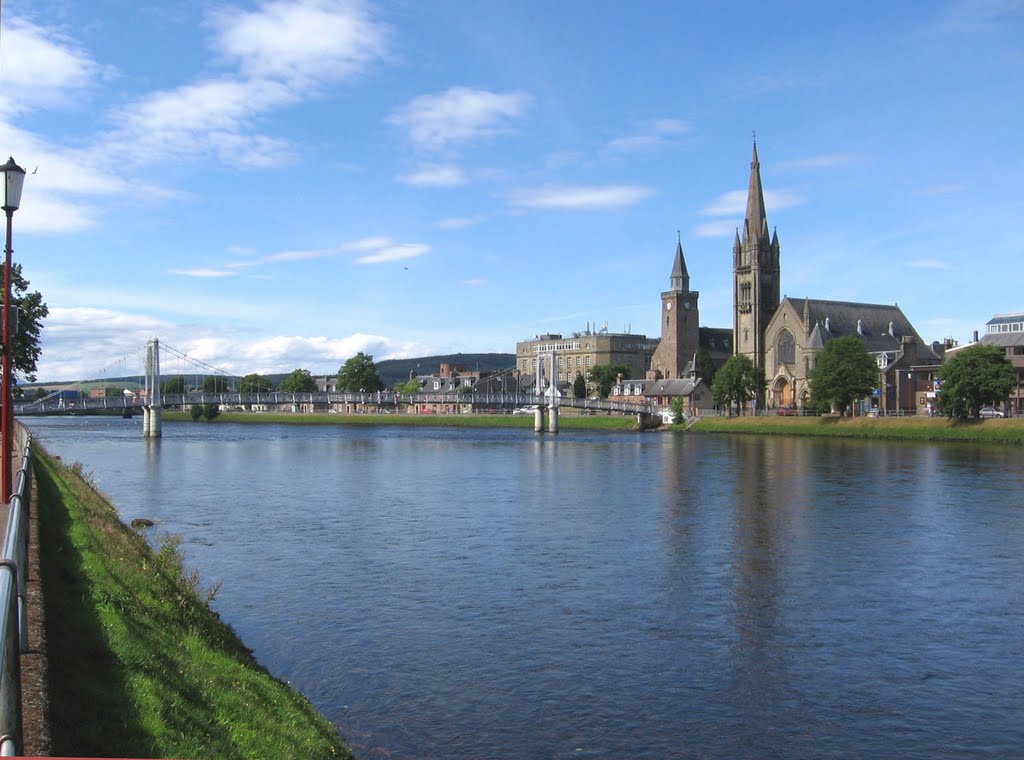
975,338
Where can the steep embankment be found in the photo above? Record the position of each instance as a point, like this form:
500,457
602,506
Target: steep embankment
139,665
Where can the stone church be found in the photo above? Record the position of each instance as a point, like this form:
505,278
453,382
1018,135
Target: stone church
785,335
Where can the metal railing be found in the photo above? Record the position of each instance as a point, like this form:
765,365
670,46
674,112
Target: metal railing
13,618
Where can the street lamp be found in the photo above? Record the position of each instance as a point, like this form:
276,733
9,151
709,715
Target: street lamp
14,180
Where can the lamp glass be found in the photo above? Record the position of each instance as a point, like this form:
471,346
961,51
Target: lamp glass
14,181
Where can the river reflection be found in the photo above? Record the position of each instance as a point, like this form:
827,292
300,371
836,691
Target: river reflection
493,593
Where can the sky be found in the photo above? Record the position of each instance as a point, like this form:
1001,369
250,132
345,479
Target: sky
274,185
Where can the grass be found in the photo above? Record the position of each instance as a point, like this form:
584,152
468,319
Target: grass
997,431
566,421
139,664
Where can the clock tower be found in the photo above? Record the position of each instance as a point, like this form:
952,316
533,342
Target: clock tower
679,323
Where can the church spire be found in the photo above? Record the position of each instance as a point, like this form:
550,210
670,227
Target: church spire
679,280
756,225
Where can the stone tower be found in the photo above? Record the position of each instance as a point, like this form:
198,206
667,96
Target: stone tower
679,323
755,274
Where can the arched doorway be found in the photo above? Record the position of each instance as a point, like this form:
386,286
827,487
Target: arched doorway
782,393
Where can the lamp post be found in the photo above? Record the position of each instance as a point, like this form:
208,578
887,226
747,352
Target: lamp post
14,180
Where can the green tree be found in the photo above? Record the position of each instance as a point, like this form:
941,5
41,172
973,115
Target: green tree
31,312
604,376
359,375
299,381
738,382
175,384
706,369
215,384
210,411
677,410
976,376
409,386
196,411
579,386
844,372
254,383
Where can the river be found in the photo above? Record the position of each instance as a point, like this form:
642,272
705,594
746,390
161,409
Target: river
472,593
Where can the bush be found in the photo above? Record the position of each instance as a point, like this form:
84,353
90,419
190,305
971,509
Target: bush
210,411
196,411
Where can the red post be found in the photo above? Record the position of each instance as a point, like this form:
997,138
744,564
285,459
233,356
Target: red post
8,398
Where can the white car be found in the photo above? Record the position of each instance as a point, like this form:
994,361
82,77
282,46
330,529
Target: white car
989,412
524,410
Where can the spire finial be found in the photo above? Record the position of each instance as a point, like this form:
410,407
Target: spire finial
679,236
754,133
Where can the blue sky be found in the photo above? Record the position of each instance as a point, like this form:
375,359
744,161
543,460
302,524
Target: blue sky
272,185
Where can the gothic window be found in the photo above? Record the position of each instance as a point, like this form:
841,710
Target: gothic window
785,349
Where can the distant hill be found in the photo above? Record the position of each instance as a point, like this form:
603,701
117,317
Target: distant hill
397,370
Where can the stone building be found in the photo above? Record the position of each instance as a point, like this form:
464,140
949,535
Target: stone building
580,351
680,315
802,327
755,262
1007,332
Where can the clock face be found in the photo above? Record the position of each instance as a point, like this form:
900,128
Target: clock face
668,306
687,305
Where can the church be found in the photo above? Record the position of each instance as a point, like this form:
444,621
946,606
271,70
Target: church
784,335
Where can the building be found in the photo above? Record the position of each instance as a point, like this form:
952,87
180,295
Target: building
801,328
680,319
580,351
756,273
1007,332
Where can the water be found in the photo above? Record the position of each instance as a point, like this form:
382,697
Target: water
498,594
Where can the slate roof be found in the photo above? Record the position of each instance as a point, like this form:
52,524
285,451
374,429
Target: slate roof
717,340
1006,319
677,386
881,326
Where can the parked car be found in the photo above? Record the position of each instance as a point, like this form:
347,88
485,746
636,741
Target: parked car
786,411
989,412
524,410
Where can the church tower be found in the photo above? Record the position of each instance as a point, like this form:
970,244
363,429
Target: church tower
755,273
679,323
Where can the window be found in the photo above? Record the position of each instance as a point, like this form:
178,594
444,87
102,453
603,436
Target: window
588,361
785,349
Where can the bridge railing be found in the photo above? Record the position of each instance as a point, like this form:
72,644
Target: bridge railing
381,399
13,618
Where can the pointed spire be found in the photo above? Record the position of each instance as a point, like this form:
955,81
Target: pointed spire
757,221
679,280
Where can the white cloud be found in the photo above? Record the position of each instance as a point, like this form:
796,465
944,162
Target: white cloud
283,256
734,202
580,197
367,244
944,189
476,282
824,161
720,228
928,264
394,253
436,175
302,41
41,68
650,135
202,272
459,114
459,222
974,15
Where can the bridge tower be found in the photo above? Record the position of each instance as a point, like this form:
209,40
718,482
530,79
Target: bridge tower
151,406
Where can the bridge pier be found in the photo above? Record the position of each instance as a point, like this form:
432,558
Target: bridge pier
151,422
538,419
552,419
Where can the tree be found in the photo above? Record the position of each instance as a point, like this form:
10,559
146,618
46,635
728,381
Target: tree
579,386
738,382
299,381
409,386
976,376
676,406
31,312
604,376
254,383
843,373
706,369
359,375
215,384
175,384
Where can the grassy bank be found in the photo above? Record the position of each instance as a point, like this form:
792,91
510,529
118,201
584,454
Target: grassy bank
566,420
139,664
1000,431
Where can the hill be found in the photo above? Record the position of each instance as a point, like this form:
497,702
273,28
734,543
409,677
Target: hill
397,370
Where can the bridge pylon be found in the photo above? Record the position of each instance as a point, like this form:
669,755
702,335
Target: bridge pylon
151,427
